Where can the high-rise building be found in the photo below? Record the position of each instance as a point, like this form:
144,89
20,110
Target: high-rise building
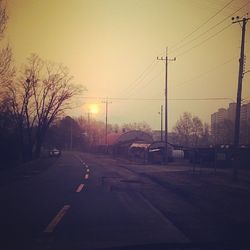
231,111
245,124
222,124
248,113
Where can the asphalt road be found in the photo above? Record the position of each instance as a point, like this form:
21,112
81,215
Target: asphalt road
82,201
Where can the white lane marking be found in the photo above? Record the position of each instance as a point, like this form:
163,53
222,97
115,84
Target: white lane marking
78,158
79,189
50,228
86,176
87,170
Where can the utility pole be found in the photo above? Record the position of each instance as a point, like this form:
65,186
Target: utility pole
161,114
88,127
238,104
88,117
166,59
71,136
106,122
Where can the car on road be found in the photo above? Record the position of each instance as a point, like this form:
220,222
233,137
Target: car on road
55,152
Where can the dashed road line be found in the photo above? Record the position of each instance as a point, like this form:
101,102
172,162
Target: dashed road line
86,176
78,158
79,189
50,228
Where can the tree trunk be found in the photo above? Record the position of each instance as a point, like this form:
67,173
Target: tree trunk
38,148
39,142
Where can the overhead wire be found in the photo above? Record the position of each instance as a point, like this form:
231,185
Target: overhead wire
207,72
203,24
211,28
149,68
158,99
139,80
140,77
200,43
142,82
204,73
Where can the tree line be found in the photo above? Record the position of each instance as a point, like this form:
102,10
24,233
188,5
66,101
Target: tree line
81,133
35,97
31,99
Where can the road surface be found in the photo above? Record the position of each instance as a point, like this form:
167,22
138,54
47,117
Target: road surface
84,201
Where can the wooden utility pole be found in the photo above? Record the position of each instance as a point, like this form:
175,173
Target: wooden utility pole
106,123
238,104
166,59
71,134
161,122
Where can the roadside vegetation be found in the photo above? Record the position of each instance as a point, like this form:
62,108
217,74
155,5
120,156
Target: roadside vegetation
31,99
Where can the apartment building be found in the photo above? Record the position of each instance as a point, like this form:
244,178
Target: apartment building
222,124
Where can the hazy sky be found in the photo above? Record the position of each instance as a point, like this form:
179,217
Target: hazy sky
110,46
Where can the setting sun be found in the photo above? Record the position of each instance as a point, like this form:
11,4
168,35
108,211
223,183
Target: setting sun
94,108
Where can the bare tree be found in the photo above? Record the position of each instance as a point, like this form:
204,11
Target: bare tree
143,126
190,131
3,18
7,71
183,129
197,130
38,97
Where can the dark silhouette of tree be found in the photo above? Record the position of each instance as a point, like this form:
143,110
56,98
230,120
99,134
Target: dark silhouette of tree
66,134
8,147
3,18
41,94
143,126
7,71
183,129
190,131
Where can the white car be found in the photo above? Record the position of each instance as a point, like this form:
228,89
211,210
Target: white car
54,152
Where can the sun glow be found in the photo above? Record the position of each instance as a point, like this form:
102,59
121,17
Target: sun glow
94,108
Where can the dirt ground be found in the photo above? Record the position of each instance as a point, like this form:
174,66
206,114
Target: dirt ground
223,205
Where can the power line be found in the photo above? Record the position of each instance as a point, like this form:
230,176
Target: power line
144,82
239,90
140,77
214,26
160,99
166,59
138,81
204,23
204,73
210,37
134,84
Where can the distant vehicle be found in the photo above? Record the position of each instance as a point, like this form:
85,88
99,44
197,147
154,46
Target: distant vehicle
54,152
